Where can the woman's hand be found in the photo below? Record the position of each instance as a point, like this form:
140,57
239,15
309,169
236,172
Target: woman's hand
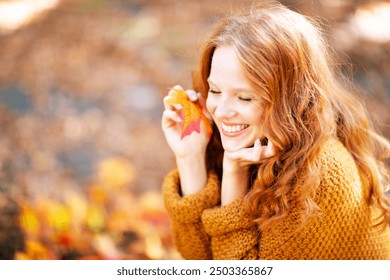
236,166
196,143
190,152
242,159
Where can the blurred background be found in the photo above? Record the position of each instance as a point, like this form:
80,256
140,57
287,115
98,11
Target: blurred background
82,155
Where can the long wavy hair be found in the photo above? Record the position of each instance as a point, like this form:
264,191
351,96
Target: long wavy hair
286,59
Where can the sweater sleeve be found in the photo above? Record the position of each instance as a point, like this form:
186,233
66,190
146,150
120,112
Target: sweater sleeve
188,232
233,234
204,230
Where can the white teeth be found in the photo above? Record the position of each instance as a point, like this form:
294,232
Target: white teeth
233,128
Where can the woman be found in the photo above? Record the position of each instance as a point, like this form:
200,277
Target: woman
293,169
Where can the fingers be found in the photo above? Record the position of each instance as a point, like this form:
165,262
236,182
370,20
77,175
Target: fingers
256,152
269,150
252,155
191,94
169,106
171,116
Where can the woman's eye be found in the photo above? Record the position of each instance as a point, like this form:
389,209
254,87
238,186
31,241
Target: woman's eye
244,99
214,91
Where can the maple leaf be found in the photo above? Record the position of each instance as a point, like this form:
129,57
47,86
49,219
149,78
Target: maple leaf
191,114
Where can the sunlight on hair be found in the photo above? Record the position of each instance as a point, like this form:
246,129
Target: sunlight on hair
14,14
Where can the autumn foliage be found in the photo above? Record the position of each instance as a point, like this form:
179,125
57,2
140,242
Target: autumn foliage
107,221
82,153
191,114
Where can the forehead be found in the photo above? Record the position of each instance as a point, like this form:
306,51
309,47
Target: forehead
226,68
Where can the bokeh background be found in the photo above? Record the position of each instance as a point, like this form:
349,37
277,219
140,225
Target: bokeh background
82,155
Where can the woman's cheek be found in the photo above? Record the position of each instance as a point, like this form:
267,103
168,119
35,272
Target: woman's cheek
210,106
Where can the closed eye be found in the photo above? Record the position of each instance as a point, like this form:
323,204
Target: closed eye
214,91
244,99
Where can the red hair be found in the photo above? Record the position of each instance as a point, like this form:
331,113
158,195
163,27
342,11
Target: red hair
285,58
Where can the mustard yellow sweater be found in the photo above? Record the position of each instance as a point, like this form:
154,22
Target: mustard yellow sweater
202,229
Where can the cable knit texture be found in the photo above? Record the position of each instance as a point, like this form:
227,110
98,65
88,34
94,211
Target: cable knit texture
343,229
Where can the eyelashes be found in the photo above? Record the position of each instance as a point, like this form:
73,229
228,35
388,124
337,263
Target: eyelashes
214,91
240,98
245,99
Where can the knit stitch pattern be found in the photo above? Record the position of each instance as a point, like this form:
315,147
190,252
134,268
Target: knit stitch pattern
343,228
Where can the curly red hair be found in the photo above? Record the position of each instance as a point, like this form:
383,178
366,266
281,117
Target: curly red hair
285,58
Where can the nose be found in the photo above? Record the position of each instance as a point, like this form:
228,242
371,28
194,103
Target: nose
225,108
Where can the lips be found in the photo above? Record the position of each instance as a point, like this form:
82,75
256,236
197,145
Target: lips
233,128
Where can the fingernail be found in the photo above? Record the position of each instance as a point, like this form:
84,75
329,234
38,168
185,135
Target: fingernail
257,142
192,95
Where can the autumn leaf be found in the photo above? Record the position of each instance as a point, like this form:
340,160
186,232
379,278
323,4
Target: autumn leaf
35,250
57,215
95,219
29,220
191,114
116,172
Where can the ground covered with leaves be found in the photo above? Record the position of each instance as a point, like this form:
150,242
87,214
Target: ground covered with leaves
82,154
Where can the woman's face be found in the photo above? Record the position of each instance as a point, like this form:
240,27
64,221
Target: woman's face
233,104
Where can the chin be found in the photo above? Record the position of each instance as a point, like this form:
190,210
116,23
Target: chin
232,146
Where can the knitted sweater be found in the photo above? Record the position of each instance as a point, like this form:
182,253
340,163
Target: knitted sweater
202,229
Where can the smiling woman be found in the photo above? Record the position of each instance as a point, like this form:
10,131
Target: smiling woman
233,103
294,169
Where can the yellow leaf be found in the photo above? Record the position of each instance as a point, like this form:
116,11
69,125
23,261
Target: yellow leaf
78,207
191,114
116,172
95,218
29,220
34,251
58,216
98,193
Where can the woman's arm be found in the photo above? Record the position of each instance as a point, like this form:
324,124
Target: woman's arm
201,229
185,213
193,174
234,182
235,177
189,151
233,234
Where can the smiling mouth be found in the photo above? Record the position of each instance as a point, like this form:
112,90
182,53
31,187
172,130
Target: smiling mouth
234,128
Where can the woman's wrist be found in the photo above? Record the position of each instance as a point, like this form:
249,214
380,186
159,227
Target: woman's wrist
234,185
234,181
234,167
193,173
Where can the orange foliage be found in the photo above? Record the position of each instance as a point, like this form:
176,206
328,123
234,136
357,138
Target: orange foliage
191,114
107,222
